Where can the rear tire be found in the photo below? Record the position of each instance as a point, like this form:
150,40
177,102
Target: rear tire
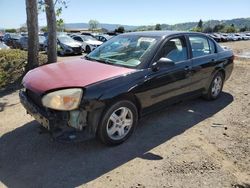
215,88
117,123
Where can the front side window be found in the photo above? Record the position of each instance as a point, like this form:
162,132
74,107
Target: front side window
200,46
125,50
175,49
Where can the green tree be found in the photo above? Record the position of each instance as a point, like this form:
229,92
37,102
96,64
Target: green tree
93,25
243,29
10,30
158,27
200,24
218,28
229,29
208,30
120,29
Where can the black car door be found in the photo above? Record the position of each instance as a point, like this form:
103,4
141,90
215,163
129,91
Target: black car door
204,59
170,80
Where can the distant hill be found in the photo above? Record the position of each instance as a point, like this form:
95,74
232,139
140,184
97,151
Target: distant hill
110,27
238,23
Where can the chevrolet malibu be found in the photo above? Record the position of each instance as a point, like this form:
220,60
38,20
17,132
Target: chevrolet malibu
105,93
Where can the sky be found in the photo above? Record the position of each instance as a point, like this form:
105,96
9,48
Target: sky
131,12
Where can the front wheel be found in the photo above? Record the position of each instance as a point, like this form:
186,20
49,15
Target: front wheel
88,49
118,123
215,88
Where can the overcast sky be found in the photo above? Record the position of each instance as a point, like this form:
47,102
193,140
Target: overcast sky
132,12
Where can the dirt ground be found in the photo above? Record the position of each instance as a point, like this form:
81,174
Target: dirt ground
192,144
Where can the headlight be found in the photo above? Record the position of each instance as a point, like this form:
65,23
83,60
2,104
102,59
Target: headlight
67,99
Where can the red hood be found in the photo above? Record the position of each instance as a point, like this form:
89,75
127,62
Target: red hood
78,73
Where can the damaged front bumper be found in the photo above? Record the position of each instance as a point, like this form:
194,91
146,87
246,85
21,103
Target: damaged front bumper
58,123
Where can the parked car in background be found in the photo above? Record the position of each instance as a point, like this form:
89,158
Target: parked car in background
107,92
238,36
41,39
66,45
215,37
245,36
12,40
3,46
23,42
103,38
89,43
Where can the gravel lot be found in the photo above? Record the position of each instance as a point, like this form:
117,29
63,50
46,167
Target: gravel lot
192,144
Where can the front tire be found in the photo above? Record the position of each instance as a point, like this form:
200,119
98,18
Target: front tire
88,49
215,88
118,123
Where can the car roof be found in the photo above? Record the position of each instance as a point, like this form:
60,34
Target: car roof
160,33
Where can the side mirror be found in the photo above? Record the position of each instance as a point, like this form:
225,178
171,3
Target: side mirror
163,62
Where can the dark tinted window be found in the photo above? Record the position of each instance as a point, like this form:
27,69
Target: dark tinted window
78,39
175,49
199,45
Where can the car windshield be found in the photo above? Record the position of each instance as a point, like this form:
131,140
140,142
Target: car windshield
65,39
124,50
15,36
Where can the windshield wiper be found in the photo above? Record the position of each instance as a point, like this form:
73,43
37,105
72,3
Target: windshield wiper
98,59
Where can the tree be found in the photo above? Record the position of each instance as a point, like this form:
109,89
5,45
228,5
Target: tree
33,42
93,24
158,27
229,29
208,30
243,29
49,7
200,24
10,30
218,28
51,24
44,29
23,28
120,29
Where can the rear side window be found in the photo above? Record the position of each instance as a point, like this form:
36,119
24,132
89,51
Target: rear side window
200,46
212,46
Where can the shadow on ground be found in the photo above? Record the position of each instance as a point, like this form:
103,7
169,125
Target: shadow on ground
28,159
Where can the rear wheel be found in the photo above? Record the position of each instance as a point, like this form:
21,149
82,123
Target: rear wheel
215,88
118,123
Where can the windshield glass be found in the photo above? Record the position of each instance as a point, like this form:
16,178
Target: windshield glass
129,51
65,39
15,36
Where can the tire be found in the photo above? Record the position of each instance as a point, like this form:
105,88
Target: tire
87,50
117,123
61,53
215,87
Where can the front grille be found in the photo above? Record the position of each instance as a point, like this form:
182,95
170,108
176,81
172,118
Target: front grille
36,98
77,49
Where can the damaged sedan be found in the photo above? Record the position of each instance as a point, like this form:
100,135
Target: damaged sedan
105,93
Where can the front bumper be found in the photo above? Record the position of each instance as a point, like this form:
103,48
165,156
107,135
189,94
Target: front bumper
46,118
56,122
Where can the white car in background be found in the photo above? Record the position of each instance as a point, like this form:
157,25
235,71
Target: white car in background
3,46
89,43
